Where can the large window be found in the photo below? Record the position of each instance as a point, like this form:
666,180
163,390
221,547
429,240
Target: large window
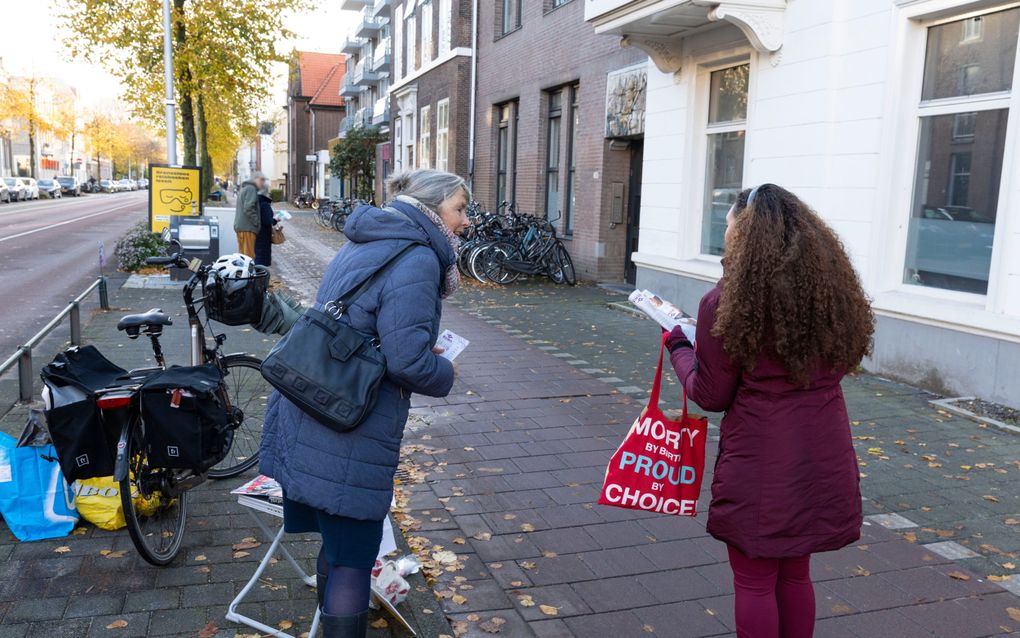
443,134
397,47
968,77
412,44
425,138
445,25
506,152
426,32
724,170
509,16
574,123
552,155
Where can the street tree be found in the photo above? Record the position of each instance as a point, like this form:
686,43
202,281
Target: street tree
353,158
223,54
20,106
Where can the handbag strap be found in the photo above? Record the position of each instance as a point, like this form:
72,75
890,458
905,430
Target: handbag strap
653,399
339,306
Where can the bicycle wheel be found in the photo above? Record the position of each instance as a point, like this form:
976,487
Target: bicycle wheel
493,263
154,521
567,272
338,221
247,399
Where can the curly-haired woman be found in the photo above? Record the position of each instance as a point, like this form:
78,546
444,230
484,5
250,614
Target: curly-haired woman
774,338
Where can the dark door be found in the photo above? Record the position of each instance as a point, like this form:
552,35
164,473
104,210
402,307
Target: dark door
637,148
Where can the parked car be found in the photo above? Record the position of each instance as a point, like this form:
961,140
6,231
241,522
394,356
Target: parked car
69,186
18,190
108,186
125,184
143,184
5,193
49,189
32,188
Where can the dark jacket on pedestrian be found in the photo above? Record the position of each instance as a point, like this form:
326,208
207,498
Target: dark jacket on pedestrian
786,481
351,474
264,240
246,209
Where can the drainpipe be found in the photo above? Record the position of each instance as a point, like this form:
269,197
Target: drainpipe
474,84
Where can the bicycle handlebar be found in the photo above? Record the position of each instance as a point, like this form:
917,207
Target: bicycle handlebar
161,261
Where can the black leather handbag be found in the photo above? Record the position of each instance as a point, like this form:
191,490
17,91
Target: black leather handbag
327,368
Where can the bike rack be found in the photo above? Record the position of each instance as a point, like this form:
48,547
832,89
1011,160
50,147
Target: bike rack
23,356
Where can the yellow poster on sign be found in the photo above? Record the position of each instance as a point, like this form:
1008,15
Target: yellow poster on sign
173,190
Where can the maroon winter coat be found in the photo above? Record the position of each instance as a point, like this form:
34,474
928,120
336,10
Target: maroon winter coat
786,481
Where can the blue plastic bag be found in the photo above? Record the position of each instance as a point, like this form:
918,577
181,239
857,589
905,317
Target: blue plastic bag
35,500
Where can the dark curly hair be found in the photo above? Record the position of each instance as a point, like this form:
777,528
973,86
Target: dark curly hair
789,288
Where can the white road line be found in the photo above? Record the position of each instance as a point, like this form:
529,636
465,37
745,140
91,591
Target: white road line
63,223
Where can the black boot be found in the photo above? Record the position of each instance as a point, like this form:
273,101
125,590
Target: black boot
354,626
320,587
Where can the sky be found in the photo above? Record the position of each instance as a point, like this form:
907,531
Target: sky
37,47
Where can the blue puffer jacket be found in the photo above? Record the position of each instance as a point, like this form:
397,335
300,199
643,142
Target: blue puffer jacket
351,473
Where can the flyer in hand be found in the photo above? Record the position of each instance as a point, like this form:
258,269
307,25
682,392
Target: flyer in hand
663,312
261,487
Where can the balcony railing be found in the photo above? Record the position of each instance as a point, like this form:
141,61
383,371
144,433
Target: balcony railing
381,112
382,8
352,45
354,5
382,56
350,88
369,26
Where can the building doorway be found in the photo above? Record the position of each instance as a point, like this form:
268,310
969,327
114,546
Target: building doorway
637,148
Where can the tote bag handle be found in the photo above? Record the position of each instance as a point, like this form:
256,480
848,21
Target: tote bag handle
653,400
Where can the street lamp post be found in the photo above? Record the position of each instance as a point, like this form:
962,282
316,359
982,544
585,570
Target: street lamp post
168,79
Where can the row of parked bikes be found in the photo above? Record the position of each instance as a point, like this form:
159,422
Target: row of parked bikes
499,246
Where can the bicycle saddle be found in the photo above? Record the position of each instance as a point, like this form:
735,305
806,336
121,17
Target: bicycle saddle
155,317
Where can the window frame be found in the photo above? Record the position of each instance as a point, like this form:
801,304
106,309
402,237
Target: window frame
427,42
552,169
708,129
569,203
508,11
411,33
443,135
994,313
507,176
425,136
445,27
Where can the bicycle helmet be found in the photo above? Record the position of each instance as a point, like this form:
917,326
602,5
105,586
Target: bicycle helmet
234,266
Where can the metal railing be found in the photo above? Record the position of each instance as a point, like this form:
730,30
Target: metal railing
23,356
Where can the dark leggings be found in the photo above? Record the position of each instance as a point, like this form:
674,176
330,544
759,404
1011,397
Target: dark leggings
774,597
347,588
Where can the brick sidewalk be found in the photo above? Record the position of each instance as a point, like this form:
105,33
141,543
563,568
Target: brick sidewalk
522,445
549,384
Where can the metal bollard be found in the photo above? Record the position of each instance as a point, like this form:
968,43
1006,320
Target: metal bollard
74,317
25,374
104,298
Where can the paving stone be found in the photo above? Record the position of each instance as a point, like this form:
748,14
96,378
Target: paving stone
620,623
679,585
152,600
951,550
137,625
664,620
513,624
74,628
83,606
35,609
611,594
892,521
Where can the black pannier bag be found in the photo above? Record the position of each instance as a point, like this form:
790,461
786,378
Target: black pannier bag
184,418
84,446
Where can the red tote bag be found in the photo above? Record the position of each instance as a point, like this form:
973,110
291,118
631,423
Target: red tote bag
659,465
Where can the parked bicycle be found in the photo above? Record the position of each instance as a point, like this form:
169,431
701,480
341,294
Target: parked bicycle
502,246
162,431
305,199
333,213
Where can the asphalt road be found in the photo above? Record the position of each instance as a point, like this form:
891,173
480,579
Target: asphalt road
49,253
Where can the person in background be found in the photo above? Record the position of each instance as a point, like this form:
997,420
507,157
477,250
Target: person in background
247,218
264,239
340,484
774,338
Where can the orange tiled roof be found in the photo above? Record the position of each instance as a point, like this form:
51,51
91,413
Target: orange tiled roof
321,77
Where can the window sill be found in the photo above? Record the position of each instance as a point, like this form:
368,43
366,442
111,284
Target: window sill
704,268
500,36
963,312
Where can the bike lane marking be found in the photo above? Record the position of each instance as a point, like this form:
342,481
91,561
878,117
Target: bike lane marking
66,221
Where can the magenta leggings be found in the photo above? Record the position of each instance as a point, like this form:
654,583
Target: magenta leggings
774,597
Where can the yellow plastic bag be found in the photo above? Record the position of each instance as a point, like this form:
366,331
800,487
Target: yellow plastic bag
99,503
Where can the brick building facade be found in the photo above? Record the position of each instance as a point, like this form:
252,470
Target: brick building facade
430,89
541,138
315,111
